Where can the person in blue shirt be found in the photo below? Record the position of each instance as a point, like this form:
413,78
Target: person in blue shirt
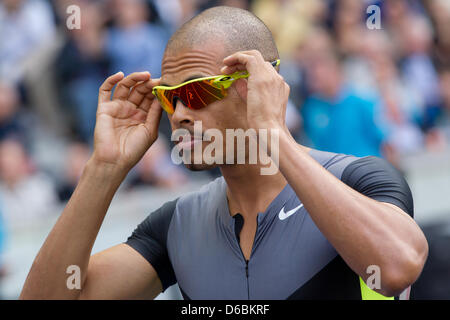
336,119
134,44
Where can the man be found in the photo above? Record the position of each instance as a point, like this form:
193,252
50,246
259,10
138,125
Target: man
299,233
333,103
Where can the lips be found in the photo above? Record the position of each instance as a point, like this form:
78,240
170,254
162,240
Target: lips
188,141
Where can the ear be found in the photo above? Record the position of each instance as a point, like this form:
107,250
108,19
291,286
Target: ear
241,88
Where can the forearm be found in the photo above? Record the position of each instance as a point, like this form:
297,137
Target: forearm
71,240
363,231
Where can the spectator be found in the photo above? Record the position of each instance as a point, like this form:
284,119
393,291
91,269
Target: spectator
77,156
335,118
156,168
243,4
348,18
439,11
292,20
27,24
26,193
439,136
10,124
373,72
445,90
401,106
81,68
293,69
418,72
134,44
176,12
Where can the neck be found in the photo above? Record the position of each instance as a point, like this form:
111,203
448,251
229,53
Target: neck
249,192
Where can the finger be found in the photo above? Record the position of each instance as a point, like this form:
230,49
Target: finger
249,62
139,92
104,92
254,53
233,68
122,90
234,62
146,103
153,116
253,63
244,56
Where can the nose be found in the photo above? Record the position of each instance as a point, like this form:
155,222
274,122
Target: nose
182,115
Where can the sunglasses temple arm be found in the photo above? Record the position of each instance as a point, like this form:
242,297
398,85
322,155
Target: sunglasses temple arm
241,75
276,63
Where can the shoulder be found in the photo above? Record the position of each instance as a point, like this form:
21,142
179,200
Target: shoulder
207,199
372,176
190,205
379,180
336,163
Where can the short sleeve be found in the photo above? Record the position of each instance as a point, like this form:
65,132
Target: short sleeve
378,179
150,240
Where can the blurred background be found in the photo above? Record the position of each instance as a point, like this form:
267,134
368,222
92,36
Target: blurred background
355,89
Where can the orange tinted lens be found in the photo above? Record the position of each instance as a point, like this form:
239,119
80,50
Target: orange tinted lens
197,95
164,97
194,95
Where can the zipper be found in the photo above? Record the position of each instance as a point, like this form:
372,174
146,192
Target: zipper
246,271
246,268
246,261
246,274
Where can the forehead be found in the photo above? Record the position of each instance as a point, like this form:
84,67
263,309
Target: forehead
183,63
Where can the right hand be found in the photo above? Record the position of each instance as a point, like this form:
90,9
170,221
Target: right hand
127,123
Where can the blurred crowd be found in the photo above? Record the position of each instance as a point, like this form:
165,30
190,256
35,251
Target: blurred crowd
354,89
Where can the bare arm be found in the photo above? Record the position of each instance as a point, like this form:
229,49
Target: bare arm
126,127
120,272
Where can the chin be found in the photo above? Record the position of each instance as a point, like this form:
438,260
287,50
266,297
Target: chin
200,167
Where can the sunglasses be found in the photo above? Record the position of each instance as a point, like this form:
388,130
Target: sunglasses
198,93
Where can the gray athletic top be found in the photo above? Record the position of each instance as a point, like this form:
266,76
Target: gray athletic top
194,240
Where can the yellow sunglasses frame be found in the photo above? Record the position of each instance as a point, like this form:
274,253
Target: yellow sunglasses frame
221,81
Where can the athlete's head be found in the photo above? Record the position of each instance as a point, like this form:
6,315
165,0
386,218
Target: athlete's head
197,49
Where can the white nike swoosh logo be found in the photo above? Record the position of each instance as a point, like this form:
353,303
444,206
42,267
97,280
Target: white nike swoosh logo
283,215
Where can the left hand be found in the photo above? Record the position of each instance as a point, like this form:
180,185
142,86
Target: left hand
267,93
